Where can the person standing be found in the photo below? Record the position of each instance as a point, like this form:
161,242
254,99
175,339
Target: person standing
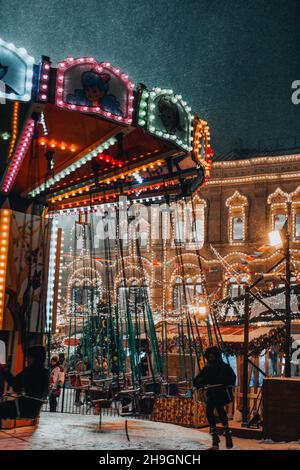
55,383
218,378
32,383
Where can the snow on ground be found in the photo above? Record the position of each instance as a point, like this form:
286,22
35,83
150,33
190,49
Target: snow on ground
70,431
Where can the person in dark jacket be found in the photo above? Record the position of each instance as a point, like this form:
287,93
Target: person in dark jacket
31,384
218,378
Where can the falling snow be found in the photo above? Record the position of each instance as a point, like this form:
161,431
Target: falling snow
233,61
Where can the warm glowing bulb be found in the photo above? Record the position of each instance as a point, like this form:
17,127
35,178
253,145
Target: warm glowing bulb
275,238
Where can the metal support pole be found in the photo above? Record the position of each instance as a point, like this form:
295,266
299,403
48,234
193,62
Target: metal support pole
245,357
287,308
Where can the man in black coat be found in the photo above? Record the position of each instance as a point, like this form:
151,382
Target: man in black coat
218,378
31,383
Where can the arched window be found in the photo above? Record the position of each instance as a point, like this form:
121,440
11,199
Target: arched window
237,218
178,216
279,221
199,290
143,233
198,219
295,214
278,208
132,295
2,352
84,291
123,234
297,225
187,292
189,222
178,296
236,285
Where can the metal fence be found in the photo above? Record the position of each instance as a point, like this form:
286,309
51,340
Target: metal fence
72,400
78,401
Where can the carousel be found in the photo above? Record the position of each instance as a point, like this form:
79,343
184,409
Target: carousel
85,154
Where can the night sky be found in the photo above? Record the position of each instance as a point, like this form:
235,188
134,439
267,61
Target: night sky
232,60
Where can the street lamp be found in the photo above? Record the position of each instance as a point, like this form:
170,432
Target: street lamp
281,238
275,238
201,311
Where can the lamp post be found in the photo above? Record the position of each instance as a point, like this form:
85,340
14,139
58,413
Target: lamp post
277,238
282,238
287,348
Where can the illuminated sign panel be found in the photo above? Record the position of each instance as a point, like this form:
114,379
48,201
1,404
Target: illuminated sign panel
16,71
88,86
166,115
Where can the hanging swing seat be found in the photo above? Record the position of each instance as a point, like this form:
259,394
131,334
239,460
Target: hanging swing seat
18,423
102,403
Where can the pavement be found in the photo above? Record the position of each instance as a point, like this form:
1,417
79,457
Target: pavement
80,432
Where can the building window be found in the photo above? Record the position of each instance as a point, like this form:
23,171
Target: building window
237,228
297,225
235,290
178,297
198,217
198,231
189,222
179,231
237,216
279,221
133,296
143,239
236,284
85,299
278,205
199,290
187,293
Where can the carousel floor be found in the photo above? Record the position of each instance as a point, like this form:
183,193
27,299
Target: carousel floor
70,431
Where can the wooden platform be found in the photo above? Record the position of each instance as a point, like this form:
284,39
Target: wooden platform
18,423
245,433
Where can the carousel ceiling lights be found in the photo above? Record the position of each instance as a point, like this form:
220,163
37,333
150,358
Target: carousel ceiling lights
74,166
109,180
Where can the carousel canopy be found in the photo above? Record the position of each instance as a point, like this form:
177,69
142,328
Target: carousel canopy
82,133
